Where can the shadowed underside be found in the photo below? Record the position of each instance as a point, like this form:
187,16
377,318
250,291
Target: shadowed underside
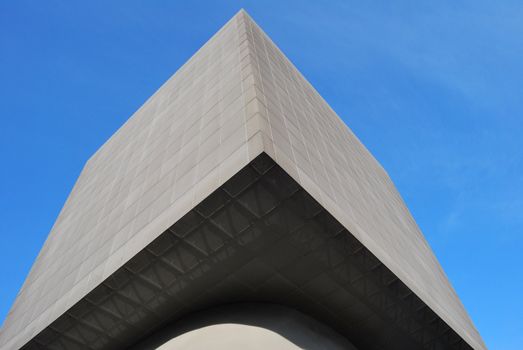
258,238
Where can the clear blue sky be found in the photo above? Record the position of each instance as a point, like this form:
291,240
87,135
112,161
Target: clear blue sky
433,88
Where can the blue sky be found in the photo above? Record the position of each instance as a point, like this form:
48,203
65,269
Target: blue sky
433,88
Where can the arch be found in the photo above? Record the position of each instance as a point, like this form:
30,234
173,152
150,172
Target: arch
246,326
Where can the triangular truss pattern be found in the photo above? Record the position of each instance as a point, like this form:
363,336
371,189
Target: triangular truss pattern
105,271
258,238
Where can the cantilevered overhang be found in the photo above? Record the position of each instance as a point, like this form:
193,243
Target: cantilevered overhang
235,182
260,237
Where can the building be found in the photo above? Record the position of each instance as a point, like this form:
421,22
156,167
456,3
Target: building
236,196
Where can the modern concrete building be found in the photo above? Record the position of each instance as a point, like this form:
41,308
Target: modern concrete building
235,210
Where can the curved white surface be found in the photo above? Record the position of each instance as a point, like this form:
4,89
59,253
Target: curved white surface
229,336
247,326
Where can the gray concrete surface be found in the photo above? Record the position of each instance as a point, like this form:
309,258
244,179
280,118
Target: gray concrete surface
236,97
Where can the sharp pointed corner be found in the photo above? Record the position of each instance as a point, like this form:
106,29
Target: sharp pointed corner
244,13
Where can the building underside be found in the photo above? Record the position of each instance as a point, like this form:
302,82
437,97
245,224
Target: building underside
260,237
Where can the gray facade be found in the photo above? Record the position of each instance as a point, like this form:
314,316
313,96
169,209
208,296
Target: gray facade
236,104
